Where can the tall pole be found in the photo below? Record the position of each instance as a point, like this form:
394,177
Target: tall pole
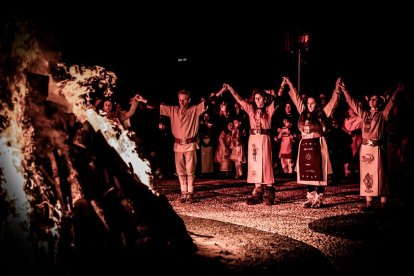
299,62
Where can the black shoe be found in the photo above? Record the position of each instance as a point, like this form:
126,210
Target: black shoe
385,208
367,208
189,198
269,196
257,196
182,198
254,199
317,205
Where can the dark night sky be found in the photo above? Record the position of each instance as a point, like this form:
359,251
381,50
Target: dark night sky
245,47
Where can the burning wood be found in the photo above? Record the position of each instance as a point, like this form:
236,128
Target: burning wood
73,196
121,194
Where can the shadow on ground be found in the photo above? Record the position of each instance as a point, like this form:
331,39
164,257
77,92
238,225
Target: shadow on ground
373,226
242,250
384,233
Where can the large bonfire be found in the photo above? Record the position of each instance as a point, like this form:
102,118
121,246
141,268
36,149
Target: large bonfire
73,188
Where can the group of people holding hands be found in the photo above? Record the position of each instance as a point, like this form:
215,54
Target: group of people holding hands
313,165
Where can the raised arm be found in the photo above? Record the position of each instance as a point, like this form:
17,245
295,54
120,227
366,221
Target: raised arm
139,98
294,95
333,102
131,111
213,97
390,104
151,104
223,89
351,102
408,97
271,92
282,87
236,96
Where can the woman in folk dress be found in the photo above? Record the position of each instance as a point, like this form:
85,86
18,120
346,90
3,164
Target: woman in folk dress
259,164
373,176
313,163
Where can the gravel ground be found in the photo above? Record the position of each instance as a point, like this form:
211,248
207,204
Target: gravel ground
287,237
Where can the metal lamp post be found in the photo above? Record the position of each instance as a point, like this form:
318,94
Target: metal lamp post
303,43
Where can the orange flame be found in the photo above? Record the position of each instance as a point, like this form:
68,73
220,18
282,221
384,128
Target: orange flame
18,172
76,92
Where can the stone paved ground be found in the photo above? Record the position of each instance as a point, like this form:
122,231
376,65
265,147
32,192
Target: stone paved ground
287,237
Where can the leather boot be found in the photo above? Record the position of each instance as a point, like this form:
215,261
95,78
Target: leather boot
183,197
269,195
257,196
369,207
189,198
